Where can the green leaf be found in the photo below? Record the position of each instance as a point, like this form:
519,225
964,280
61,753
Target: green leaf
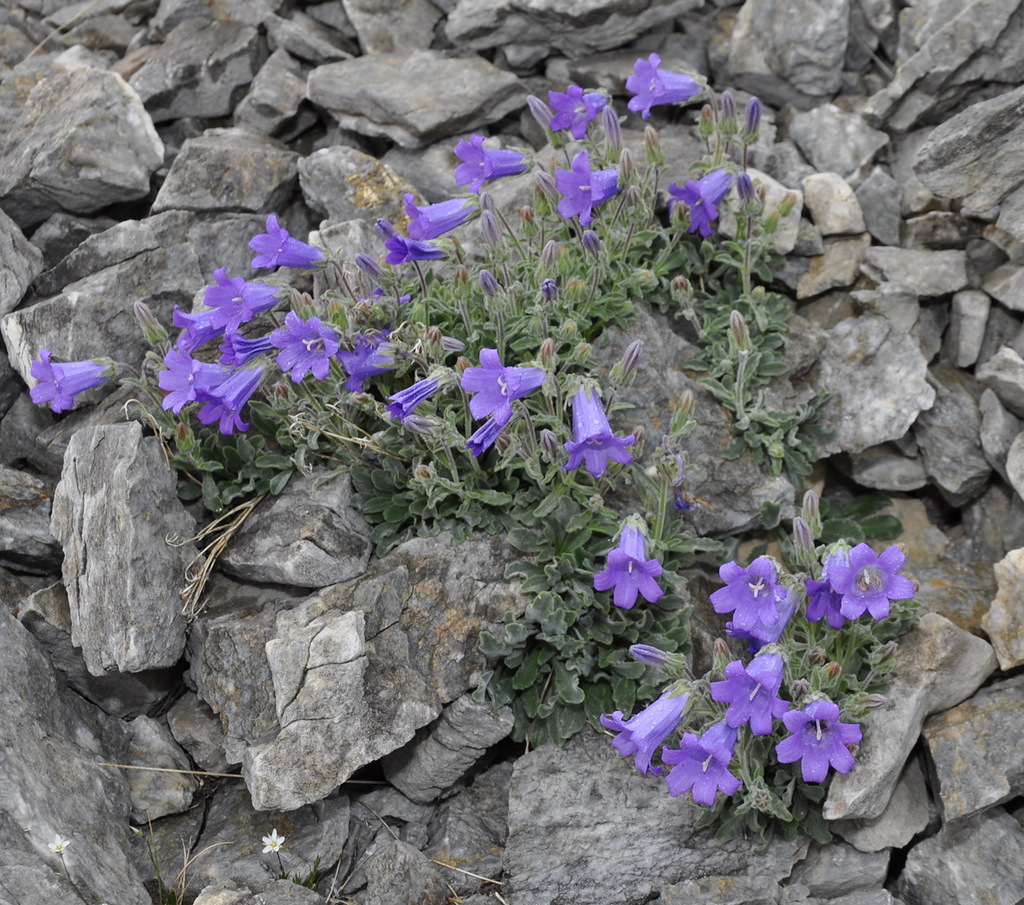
881,527
837,529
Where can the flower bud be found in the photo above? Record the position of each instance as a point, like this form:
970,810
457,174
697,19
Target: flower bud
550,445
810,513
706,125
803,541
720,649
545,184
888,651
631,357
526,214
451,344
549,255
633,196
184,438
596,502
611,126
739,335
417,424
874,701
461,275
685,405
369,266
487,202
833,669
151,327
818,655
434,335
745,188
384,229
541,112
461,363
786,204
583,350
591,243
727,104
547,351
800,688
489,227
423,472
627,166
489,284
548,290
652,144
753,116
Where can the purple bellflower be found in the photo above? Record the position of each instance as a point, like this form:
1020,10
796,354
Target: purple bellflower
818,740
703,198
702,764
187,380
276,248
236,301
867,581
224,402
650,86
405,402
433,220
306,347
823,601
196,328
752,693
236,349
584,189
480,164
749,594
402,250
629,571
495,387
641,734
489,431
372,356
60,383
575,110
593,440
770,621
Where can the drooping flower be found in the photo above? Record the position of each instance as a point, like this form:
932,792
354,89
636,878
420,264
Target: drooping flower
703,198
224,402
402,250
433,220
702,764
372,356
60,383
593,440
197,328
752,693
480,164
641,734
818,740
749,594
652,87
584,189
273,842
236,301
186,379
495,387
867,581
306,346
823,601
405,402
485,435
575,110
629,570
236,349
277,248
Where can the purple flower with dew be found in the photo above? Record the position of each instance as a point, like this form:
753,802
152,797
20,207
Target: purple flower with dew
640,735
651,87
237,350
770,623
379,293
224,402
372,356
867,581
197,328
703,198
433,220
186,380
488,432
236,301
384,229
59,383
823,601
306,347
584,189
405,402
749,594
277,248
752,693
818,740
402,250
575,109
702,764
629,571
495,387
480,164
369,266
593,440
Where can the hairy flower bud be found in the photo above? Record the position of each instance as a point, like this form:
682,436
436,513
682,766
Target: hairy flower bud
786,204
151,327
545,183
627,166
631,357
369,266
591,243
526,214
888,651
489,227
547,351
487,202
451,344
803,541
633,196
461,363
811,513
434,335
461,275
548,290
489,284
739,335
611,126
541,112
184,438
706,124
549,444
549,255
833,669
417,424
818,655
874,701
652,144
800,688
384,229
745,188
753,116
727,103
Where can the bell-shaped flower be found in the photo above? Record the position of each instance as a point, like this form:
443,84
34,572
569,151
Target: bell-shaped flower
702,764
185,378
372,356
584,189
433,220
405,402
651,86
480,164
575,109
306,347
751,692
224,402
641,734
818,740
593,440
236,301
702,197
60,383
629,570
277,248
867,581
495,387
402,250
485,435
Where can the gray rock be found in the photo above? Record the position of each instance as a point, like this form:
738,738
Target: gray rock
837,869
1002,621
834,141
839,266
561,843
60,234
927,273
25,539
161,784
962,158
431,170
1011,214
968,316
1003,373
274,97
396,95
116,148
915,196
229,170
196,728
443,752
940,230
884,467
948,434
898,304
305,38
21,262
346,184
976,753
790,52
400,873
723,890
833,205
114,482
1006,284
577,29
966,862
393,26
878,375
308,537
201,69
939,666
169,15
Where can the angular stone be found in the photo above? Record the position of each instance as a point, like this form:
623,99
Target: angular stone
833,205
399,872
274,97
1014,464
1003,373
20,263
834,141
1004,622
345,184
25,539
839,266
998,431
157,792
879,198
1006,284
393,26
837,869
940,230
884,467
926,273
117,503
414,98
968,315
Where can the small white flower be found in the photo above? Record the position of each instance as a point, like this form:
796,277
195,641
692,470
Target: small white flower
273,842
58,845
